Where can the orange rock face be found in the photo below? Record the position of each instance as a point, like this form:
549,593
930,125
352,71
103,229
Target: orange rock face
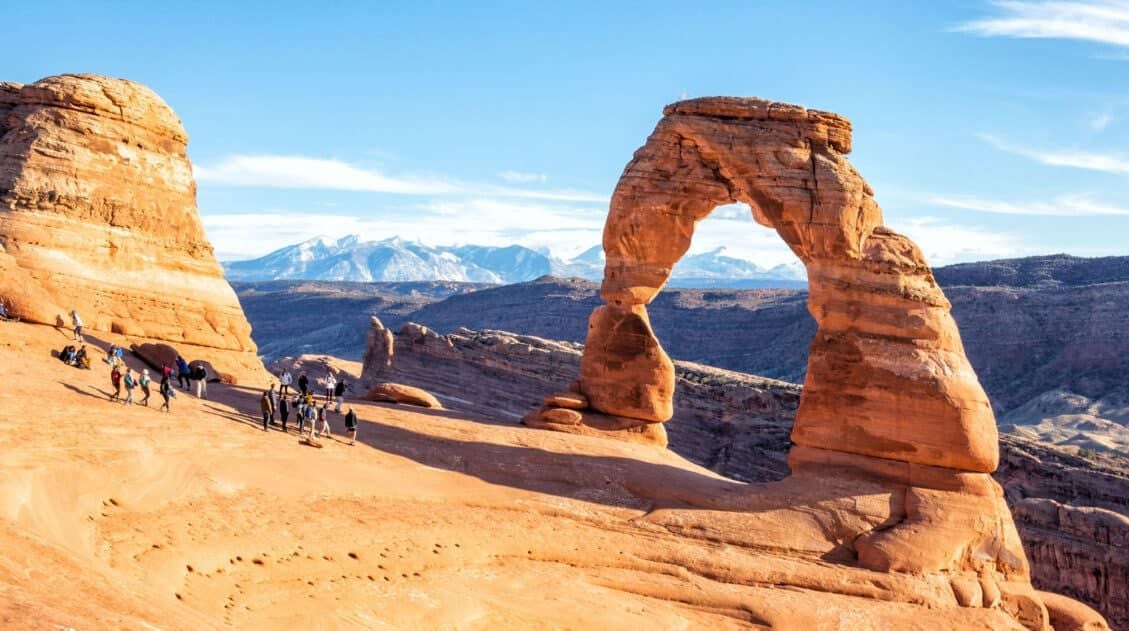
98,214
890,398
399,393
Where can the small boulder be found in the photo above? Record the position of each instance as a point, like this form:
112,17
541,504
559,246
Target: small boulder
569,400
399,393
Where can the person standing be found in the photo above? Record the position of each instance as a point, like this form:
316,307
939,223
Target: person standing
311,417
129,383
265,406
273,403
183,373
116,381
144,383
77,322
351,425
200,374
283,411
300,407
166,392
330,386
339,394
303,383
284,381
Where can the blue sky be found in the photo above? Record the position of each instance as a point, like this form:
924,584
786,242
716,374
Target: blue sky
987,129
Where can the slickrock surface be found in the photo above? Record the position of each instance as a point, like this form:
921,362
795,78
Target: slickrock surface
98,214
738,425
889,396
121,517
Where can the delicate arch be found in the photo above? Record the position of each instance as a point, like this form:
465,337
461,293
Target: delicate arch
887,374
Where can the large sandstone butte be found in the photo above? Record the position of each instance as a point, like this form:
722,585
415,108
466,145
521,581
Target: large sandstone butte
98,214
889,398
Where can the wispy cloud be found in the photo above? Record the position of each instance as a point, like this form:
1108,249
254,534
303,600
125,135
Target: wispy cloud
1101,121
1102,21
1114,163
943,242
523,177
301,172
1062,206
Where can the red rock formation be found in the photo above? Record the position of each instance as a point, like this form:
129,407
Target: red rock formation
399,393
889,397
98,214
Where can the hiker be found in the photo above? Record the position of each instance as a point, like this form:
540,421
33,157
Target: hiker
110,354
300,410
311,416
273,402
283,411
116,381
166,371
4,312
77,322
81,359
200,374
144,383
284,381
339,394
351,425
323,416
267,409
330,386
183,375
303,383
67,354
130,383
166,391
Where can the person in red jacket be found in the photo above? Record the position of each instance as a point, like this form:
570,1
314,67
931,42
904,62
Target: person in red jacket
116,381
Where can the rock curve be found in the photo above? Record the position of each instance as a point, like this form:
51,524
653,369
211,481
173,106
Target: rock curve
98,214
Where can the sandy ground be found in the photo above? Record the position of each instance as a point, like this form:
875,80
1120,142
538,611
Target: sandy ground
124,517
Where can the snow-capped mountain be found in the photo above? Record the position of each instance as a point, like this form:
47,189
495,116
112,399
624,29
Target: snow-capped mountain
397,260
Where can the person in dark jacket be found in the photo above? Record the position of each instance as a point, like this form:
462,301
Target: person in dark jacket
183,374
339,394
166,392
116,381
265,406
283,411
351,425
303,384
200,375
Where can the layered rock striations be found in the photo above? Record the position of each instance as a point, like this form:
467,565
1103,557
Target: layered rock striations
890,400
98,214
1070,512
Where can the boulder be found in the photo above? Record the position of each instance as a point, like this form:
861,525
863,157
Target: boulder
399,393
98,214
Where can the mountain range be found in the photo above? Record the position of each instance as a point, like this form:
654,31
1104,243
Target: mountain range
398,260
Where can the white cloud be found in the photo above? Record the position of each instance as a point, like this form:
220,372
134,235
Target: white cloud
1113,163
1062,206
943,243
1103,21
269,171
1101,121
300,172
522,177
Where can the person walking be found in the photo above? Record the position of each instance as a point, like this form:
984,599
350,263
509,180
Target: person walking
166,371
323,416
339,394
284,381
303,383
116,381
265,406
351,425
130,383
311,417
77,323
200,374
166,392
283,411
144,383
330,386
183,373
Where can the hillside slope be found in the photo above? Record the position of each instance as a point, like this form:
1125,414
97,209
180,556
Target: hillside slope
198,519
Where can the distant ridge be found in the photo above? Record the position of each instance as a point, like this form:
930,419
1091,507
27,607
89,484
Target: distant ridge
399,260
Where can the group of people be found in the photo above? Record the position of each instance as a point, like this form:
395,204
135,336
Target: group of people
275,405
75,357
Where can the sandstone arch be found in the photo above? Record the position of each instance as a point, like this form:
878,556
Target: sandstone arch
887,374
